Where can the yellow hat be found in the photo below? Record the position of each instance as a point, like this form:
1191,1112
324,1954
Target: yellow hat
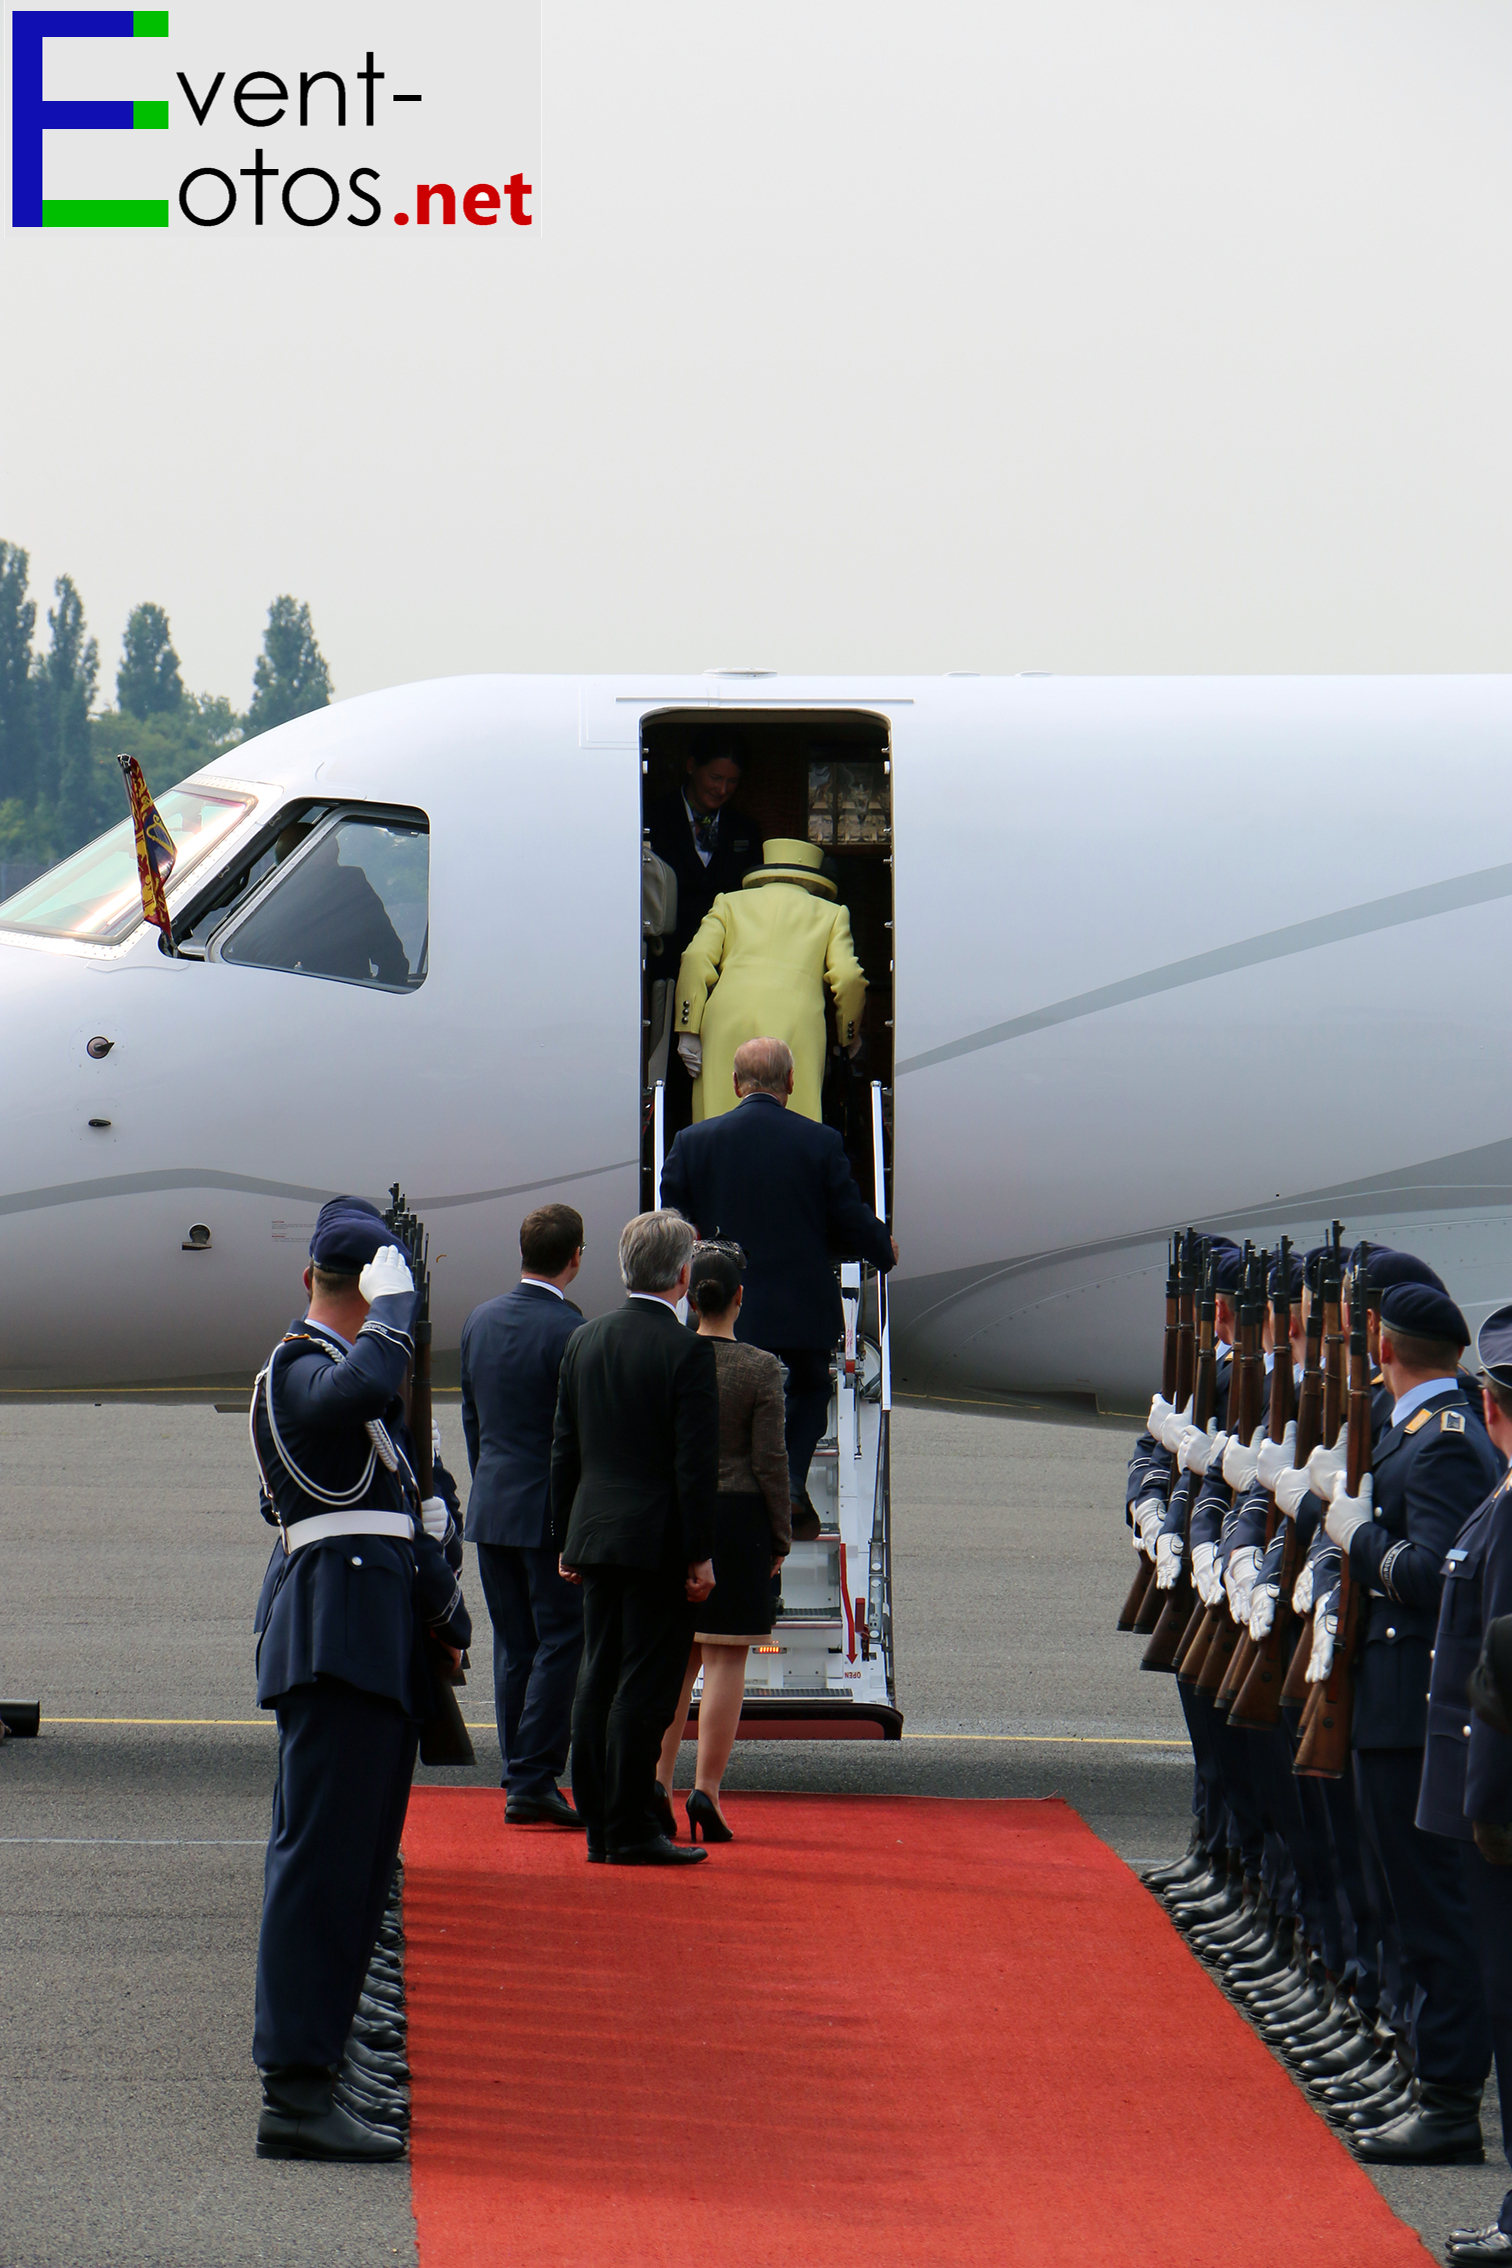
785,859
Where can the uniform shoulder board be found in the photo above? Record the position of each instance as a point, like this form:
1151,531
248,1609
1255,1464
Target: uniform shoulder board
1452,1421
1417,1421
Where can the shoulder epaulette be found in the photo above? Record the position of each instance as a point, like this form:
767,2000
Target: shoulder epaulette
1452,1421
1417,1421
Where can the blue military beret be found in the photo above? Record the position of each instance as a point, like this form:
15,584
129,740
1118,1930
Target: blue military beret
1228,1264
1493,1346
1386,1267
348,1231
1424,1313
1295,1286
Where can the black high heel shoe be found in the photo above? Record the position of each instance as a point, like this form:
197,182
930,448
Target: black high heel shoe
703,1812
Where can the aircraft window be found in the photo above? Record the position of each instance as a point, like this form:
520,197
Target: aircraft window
194,929
353,905
97,894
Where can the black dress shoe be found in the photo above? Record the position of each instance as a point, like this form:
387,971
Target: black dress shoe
549,1810
1491,2243
657,1852
806,1523
594,1855
1442,2129
1383,2109
1189,1889
382,2062
1193,1861
335,2133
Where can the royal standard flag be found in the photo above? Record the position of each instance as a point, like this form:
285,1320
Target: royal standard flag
155,848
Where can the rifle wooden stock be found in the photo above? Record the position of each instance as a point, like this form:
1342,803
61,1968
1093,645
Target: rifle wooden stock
1246,1394
1323,1750
1175,1614
1240,1661
1144,1577
1295,1689
1258,1703
1177,1297
1173,1608
1220,1652
1150,1605
1195,1643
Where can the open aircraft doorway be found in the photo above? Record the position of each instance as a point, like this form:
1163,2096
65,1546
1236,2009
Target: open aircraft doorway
823,778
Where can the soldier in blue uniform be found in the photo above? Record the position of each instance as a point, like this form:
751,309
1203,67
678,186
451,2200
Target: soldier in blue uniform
358,1576
1433,1466
1466,1793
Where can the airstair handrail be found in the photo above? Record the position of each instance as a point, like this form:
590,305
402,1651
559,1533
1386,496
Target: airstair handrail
880,1179
658,1140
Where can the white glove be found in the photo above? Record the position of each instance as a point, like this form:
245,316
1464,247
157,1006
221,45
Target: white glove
1263,1610
386,1273
1197,1448
1160,1410
1325,1465
1325,1631
435,1517
1239,1463
1173,1427
1291,1487
1347,1513
1239,1581
1302,1594
1148,1514
1169,1551
1205,1573
1277,1457
690,1048
435,1440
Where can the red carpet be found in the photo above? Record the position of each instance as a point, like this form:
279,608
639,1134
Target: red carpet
875,2029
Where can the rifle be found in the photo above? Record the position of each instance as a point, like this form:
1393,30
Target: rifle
1225,1633
1282,1404
1323,1750
1258,1704
444,1738
1200,1632
1296,1691
1177,1341
1169,1629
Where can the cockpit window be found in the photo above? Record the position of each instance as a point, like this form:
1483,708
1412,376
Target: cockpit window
96,894
353,904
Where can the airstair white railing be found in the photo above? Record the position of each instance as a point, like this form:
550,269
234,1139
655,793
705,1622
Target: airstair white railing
658,1140
880,1179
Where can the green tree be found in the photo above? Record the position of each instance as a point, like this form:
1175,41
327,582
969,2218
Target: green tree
148,683
291,677
18,716
73,801
168,747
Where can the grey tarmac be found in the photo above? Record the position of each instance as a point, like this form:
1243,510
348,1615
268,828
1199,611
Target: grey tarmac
131,1850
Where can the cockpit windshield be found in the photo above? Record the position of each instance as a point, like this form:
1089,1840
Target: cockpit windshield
96,894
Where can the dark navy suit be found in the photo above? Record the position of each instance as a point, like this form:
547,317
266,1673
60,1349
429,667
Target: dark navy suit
1467,1766
782,1187
341,1624
512,1349
1431,1471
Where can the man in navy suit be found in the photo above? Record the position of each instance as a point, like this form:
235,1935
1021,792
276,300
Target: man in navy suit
781,1186
512,1350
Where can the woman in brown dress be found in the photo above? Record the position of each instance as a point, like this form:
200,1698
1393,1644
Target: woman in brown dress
752,1536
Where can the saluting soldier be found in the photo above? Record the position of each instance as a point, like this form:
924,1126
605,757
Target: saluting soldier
357,1577
1467,1767
1434,1465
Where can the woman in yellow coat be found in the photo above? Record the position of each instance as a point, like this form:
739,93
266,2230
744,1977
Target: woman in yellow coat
757,968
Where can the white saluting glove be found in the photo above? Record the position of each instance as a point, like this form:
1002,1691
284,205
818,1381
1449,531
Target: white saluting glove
386,1273
435,1517
1263,1610
1239,1463
1291,1487
1239,1581
1148,1514
1277,1457
1196,1448
1160,1410
1302,1593
1205,1573
1325,1631
1325,1465
1169,1552
435,1440
690,1048
1348,1513
1174,1426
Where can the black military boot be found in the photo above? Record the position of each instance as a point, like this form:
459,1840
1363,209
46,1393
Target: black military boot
1490,2243
1192,1862
1442,2128
300,2118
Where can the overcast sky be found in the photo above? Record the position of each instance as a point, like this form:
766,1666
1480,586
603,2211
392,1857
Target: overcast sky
1090,335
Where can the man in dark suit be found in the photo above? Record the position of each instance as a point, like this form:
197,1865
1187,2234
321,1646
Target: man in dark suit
782,1188
634,1475
710,846
512,1350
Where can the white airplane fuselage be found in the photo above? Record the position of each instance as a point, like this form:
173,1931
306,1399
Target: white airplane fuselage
1223,951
